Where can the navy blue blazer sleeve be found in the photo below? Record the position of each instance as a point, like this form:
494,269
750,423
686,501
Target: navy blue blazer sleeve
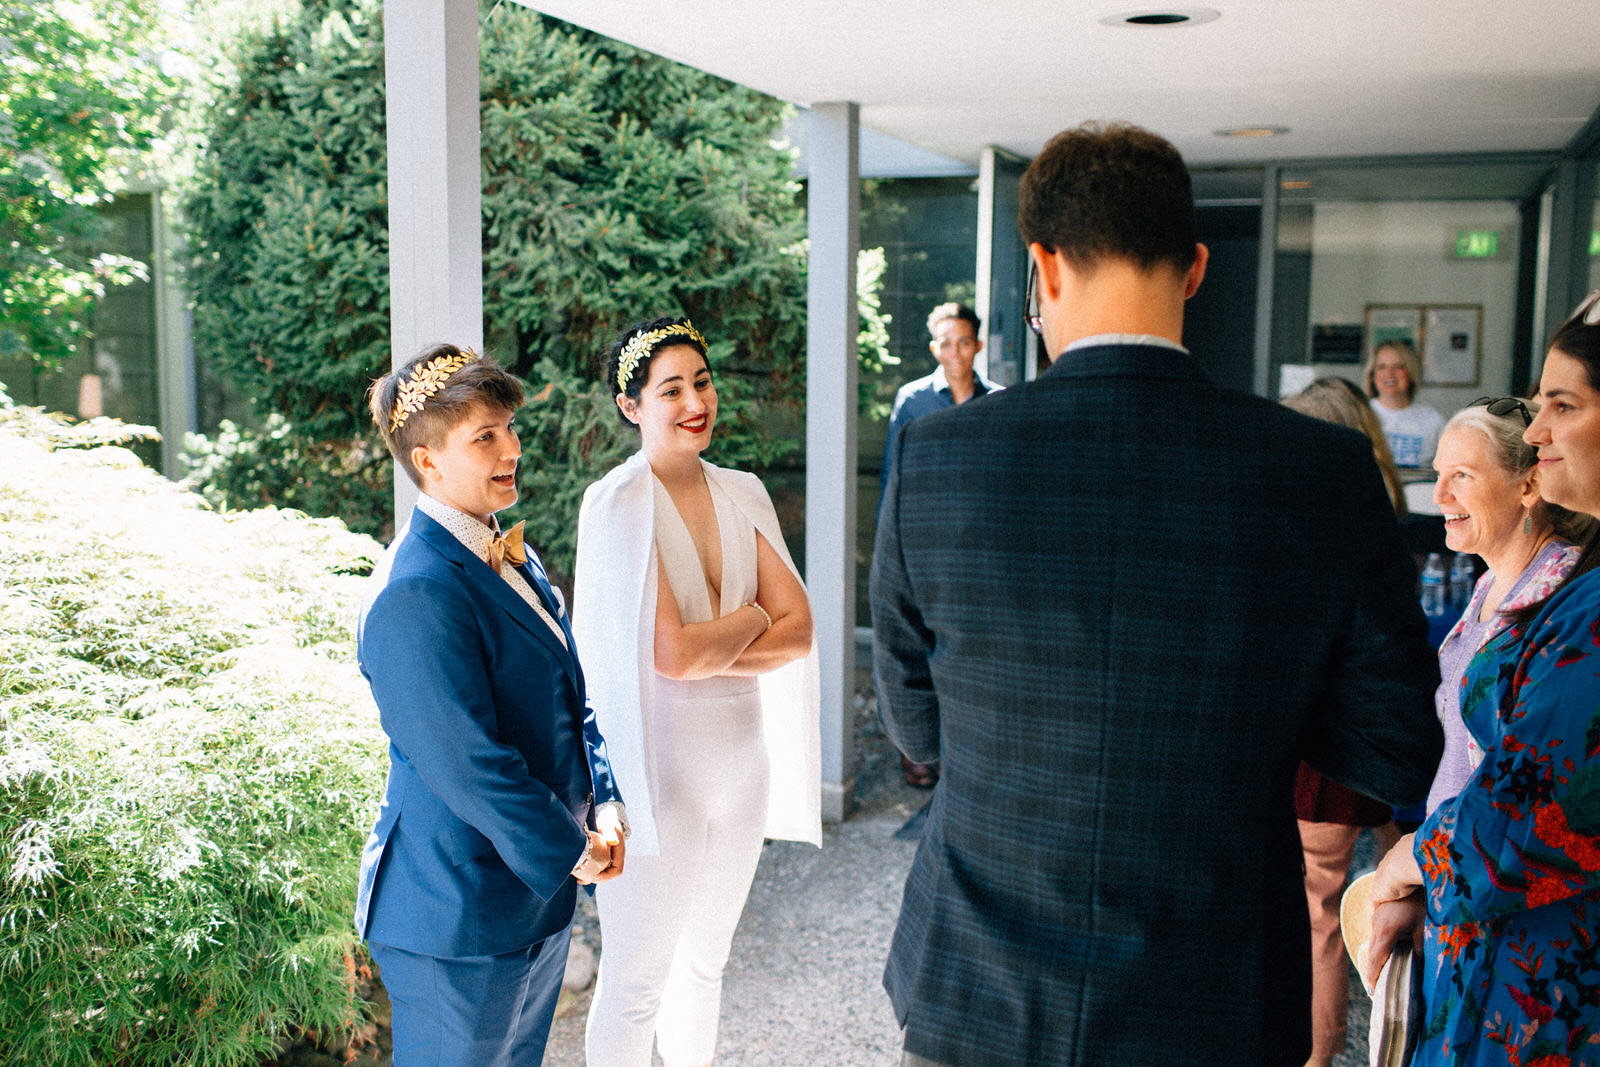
424,653
901,642
605,782
1376,731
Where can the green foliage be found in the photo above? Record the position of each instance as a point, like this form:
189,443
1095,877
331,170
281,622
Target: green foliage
620,186
62,431
617,186
80,96
872,341
245,467
188,763
288,220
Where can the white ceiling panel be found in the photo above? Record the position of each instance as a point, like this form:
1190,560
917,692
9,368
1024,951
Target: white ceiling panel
1347,77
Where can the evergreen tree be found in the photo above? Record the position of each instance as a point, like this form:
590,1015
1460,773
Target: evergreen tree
81,95
617,186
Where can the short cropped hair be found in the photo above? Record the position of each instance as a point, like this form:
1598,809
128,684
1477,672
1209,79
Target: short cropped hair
479,380
1408,355
954,310
1099,191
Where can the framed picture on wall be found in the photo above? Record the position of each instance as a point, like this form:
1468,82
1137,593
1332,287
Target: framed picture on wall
1392,322
1445,336
1450,348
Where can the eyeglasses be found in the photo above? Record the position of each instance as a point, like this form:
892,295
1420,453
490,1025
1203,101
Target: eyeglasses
1588,310
1502,406
1030,310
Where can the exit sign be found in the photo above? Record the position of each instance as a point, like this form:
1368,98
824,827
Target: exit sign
1477,244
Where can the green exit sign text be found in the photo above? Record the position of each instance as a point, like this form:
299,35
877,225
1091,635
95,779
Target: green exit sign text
1477,244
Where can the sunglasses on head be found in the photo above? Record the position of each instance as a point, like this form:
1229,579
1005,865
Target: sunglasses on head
1504,405
1588,310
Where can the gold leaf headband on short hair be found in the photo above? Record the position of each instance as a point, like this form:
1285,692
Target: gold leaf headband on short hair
640,344
423,382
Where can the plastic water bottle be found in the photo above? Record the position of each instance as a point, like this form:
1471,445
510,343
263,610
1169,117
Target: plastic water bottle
1433,603
1462,576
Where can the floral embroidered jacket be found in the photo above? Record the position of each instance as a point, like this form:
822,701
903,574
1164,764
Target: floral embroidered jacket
1511,866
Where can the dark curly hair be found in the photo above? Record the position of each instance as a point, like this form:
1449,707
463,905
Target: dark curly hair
641,372
1110,190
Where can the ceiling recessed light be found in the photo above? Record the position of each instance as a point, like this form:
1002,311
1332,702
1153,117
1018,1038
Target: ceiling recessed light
1252,131
1163,19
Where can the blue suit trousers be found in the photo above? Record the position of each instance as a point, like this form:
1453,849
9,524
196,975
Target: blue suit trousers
473,1011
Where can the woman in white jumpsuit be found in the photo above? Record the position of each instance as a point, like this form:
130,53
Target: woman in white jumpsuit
696,640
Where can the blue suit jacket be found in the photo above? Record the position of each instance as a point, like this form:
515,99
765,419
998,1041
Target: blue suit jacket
494,758
1122,604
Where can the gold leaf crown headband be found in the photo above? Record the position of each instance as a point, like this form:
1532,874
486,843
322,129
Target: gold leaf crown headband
640,344
423,382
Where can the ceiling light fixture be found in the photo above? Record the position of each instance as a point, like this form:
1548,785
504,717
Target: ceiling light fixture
1295,183
1252,131
1163,20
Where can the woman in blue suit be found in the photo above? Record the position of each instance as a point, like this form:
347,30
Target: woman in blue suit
500,800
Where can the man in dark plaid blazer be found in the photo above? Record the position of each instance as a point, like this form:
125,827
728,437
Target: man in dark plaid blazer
1121,604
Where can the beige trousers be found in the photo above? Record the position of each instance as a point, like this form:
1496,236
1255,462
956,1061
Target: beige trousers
1327,848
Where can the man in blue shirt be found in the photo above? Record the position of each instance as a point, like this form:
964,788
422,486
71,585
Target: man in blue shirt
954,329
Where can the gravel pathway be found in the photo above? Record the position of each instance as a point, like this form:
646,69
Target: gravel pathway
804,984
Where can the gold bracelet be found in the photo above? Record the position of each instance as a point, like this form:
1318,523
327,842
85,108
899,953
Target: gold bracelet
764,615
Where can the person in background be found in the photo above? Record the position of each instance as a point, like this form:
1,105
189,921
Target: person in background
1504,876
1123,603
1488,492
954,330
1331,816
500,799
1392,375
699,636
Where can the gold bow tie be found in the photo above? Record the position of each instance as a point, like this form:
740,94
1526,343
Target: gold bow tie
507,546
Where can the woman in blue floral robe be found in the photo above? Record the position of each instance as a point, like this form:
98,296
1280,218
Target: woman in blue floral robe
1508,871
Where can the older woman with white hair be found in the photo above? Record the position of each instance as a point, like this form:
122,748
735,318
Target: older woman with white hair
1488,492
1506,873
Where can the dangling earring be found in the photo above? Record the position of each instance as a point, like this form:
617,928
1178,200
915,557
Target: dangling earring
1527,521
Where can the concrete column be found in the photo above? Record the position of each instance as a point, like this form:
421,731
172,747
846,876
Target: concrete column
174,347
983,272
1567,252
1008,357
435,187
1266,273
832,205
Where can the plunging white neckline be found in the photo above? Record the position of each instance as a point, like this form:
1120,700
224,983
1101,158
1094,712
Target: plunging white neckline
719,517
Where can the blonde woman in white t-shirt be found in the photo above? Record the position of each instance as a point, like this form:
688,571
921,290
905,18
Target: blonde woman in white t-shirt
1392,374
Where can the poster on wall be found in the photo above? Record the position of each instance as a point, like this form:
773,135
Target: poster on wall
1450,344
1393,322
1445,337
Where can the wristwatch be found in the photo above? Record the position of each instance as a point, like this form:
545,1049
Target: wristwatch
590,864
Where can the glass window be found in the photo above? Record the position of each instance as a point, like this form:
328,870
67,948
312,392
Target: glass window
1594,238
1363,257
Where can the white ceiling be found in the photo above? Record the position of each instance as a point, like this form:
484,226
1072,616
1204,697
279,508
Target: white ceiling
1347,77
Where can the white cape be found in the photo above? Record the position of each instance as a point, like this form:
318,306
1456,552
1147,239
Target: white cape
613,623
